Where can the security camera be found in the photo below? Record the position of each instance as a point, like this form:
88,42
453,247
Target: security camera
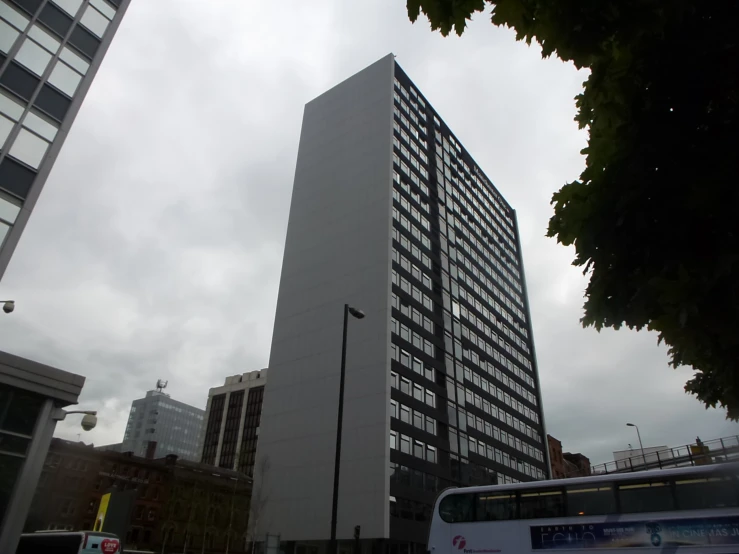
9,306
89,422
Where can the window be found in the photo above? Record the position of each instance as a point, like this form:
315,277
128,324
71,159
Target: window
33,57
496,507
12,16
77,63
40,125
7,36
706,493
405,444
65,78
69,6
430,454
590,501
541,504
29,148
95,21
457,508
654,496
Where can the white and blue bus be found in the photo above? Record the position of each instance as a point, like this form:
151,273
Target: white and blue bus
688,510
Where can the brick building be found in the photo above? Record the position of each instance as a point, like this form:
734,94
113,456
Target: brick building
178,501
566,464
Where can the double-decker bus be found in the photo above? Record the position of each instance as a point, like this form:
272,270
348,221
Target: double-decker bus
687,510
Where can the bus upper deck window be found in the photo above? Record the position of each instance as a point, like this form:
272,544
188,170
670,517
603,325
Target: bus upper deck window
541,504
703,493
652,496
590,501
456,508
496,507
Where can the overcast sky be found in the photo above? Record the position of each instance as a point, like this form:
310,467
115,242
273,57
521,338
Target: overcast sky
155,249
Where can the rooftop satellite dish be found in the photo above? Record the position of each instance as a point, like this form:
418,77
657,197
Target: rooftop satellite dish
161,385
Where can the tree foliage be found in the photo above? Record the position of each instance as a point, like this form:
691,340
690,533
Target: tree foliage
652,216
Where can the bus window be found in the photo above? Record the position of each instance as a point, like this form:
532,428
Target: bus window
456,508
541,504
590,501
706,492
654,496
496,507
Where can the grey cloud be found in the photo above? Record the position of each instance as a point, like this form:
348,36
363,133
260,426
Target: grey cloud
155,249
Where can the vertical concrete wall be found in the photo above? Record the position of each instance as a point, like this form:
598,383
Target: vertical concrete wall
338,250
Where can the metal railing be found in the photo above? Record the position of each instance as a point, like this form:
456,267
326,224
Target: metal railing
709,452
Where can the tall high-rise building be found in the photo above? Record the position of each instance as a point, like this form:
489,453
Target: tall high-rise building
159,425
50,51
233,415
391,215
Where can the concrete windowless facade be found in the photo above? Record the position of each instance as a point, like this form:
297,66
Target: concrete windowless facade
391,215
337,251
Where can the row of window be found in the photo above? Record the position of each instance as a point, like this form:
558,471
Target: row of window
415,143
414,97
414,100
487,347
405,187
412,175
411,362
497,211
513,337
413,160
413,417
474,399
413,269
500,394
456,214
637,496
464,420
409,208
470,444
456,222
410,477
491,370
411,388
418,295
418,121
506,309
521,361
414,447
412,313
414,231
471,204
415,251
84,37
487,366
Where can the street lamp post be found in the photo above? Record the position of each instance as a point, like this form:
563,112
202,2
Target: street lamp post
8,305
359,314
638,434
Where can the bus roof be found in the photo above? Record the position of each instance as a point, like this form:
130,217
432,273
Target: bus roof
605,477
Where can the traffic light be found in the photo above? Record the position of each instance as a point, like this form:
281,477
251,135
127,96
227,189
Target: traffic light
357,529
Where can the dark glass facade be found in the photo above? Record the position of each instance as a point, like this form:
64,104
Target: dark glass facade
465,399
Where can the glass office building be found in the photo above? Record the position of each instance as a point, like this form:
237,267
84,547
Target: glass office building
159,425
392,215
50,51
